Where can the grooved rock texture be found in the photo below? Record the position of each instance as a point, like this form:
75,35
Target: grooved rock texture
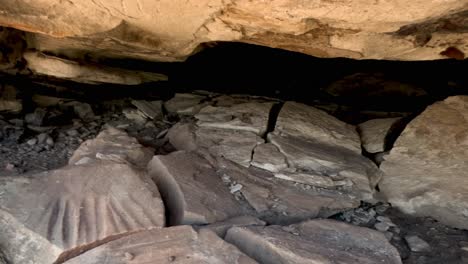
54,215
171,30
180,244
314,242
428,165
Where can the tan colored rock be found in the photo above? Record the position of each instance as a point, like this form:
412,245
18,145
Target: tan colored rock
112,145
374,133
163,246
314,242
48,65
193,192
426,171
52,216
172,30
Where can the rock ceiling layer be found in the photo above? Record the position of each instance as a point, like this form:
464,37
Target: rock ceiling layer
171,30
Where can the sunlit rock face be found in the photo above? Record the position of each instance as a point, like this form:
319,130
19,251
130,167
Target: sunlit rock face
172,30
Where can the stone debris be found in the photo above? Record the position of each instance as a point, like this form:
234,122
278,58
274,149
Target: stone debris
221,228
310,179
179,244
82,110
192,190
151,109
268,157
250,116
113,145
185,104
425,169
54,215
416,244
36,118
279,201
314,241
374,133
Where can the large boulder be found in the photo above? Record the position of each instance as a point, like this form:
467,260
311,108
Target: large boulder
426,172
314,242
55,215
171,30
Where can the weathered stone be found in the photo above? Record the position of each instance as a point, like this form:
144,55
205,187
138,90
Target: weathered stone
416,244
167,245
168,30
250,116
151,109
374,133
314,241
220,228
192,190
311,179
235,145
320,159
113,145
306,122
8,99
279,201
67,69
426,171
268,157
185,104
52,216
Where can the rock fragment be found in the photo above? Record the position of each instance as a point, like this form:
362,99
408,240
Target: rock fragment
416,244
151,109
314,241
374,133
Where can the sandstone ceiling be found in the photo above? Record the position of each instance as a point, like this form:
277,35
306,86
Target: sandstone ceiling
172,30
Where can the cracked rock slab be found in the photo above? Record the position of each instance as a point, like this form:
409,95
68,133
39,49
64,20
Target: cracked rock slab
55,215
185,104
309,123
314,241
268,157
249,116
221,228
112,145
180,244
426,171
193,192
279,201
235,145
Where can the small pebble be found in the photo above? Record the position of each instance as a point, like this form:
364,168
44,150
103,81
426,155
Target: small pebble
32,141
388,235
128,256
235,188
41,138
10,167
382,226
416,244
72,133
49,141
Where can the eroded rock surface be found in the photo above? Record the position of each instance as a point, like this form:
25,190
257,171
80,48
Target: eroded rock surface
172,30
192,190
426,169
53,215
322,151
112,145
168,245
314,241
